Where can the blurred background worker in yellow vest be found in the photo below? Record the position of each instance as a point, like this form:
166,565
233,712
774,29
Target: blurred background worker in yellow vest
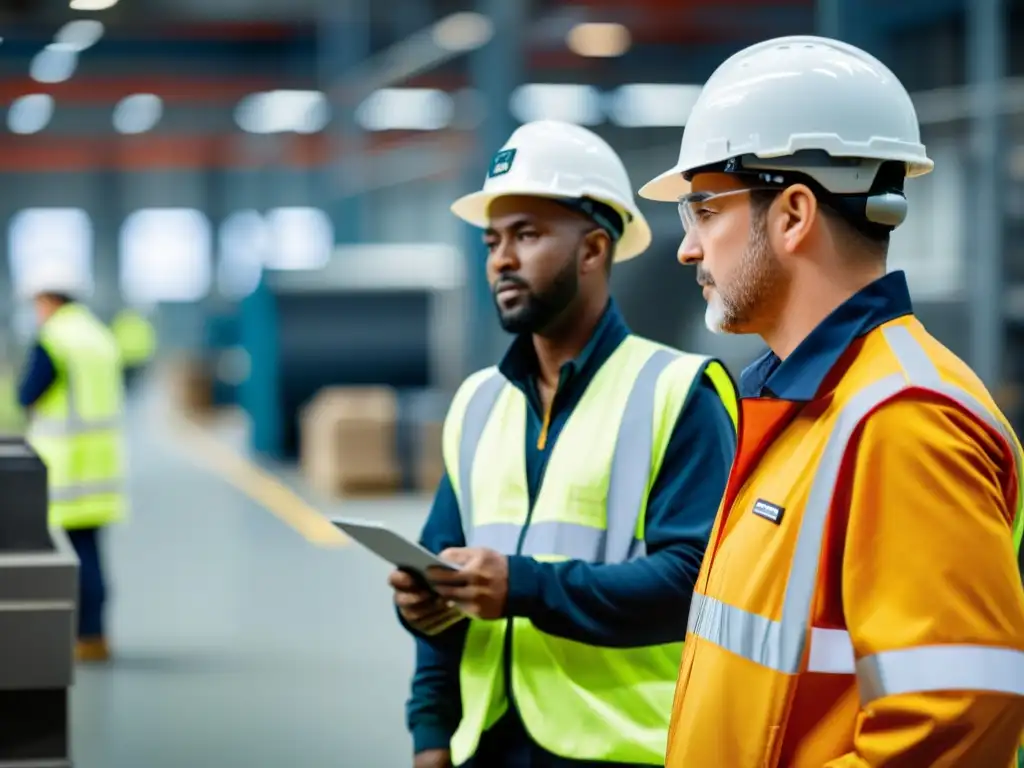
72,388
861,604
136,342
583,473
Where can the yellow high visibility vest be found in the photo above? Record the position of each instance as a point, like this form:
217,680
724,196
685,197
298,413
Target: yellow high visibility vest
135,337
575,700
75,427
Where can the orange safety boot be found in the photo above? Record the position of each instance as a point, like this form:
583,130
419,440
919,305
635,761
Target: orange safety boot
92,649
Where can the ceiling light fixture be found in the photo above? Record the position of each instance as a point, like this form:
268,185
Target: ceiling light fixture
137,113
30,114
92,5
465,31
652,105
603,40
80,34
283,111
54,64
569,102
409,109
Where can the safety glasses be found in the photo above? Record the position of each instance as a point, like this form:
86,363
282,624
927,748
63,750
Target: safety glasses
696,207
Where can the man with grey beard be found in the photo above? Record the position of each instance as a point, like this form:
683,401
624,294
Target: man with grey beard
860,603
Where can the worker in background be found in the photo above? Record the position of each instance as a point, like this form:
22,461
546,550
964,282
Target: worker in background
73,391
136,342
860,603
583,473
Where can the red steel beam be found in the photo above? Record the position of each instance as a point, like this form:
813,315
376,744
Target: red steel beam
152,152
225,30
107,90
681,21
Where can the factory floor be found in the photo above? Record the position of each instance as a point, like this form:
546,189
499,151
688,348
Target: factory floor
245,633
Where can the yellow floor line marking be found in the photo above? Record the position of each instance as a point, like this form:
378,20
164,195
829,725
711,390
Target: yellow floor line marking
213,455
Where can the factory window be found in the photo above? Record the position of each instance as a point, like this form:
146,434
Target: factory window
63,235
301,238
244,246
165,255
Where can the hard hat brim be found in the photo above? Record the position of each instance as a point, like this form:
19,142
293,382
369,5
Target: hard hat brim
635,240
667,187
474,209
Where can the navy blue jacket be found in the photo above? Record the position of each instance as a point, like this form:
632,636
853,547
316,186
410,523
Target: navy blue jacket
800,376
642,602
38,376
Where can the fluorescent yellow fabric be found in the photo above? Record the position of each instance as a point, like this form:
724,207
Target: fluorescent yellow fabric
135,337
76,425
575,700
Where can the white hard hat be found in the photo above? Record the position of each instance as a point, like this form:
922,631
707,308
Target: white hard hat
548,158
774,99
48,276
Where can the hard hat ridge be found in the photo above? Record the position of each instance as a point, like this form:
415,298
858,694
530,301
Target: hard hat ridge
805,108
570,164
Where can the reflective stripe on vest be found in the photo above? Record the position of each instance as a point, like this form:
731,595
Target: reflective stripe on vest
780,645
627,481
73,424
78,491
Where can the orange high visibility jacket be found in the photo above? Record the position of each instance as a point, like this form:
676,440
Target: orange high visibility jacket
860,602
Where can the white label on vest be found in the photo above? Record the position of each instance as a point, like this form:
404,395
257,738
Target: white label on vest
768,511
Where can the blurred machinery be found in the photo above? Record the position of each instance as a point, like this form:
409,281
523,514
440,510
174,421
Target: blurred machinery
378,316
226,360
38,603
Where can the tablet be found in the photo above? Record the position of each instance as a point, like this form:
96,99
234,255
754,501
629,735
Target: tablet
391,546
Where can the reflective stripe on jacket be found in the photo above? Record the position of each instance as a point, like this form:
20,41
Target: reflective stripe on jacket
575,700
860,602
75,426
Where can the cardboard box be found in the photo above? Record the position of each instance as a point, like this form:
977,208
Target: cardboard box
348,441
191,383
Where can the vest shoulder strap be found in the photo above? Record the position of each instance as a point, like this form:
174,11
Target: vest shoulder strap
687,370
640,446
469,410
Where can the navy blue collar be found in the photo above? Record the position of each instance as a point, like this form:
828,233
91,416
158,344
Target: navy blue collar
520,365
799,377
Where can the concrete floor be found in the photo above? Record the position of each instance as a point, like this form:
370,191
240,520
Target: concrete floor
238,642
